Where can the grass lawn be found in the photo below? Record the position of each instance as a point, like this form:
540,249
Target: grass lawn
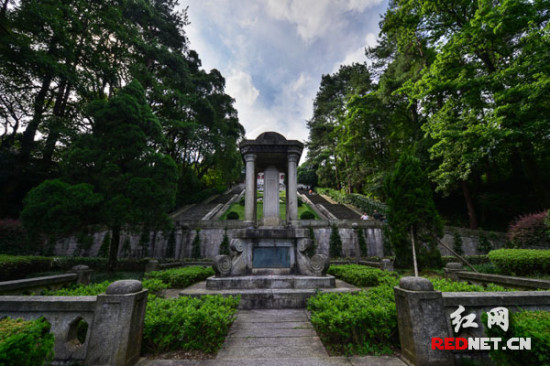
236,207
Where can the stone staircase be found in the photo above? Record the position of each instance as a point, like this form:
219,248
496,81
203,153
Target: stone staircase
341,212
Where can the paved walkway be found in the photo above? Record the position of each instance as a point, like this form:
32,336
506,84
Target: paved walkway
275,338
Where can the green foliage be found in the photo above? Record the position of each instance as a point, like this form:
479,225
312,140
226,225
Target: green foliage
359,323
196,245
335,243
307,215
521,261
105,244
362,242
16,267
224,246
182,277
473,259
457,243
312,250
524,324
232,216
484,245
364,204
13,238
530,231
25,343
363,276
188,323
445,285
171,245
411,209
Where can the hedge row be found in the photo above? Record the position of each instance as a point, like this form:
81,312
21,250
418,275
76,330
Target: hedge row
363,276
363,203
182,277
154,286
366,322
473,259
525,324
14,267
521,261
187,323
25,343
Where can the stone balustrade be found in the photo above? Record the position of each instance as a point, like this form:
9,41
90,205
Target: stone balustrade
78,274
114,319
423,314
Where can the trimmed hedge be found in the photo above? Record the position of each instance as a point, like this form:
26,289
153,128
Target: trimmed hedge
473,259
363,276
525,324
16,267
153,285
521,261
182,277
359,323
25,343
188,323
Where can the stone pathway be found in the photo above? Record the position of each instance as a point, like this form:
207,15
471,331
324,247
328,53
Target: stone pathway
273,338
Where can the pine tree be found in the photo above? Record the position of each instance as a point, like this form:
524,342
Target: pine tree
224,246
171,245
196,246
362,242
335,243
411,209
312,250
104,248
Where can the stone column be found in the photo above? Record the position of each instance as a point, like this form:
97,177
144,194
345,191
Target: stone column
249,202
117,327
292,189
421,317
271,196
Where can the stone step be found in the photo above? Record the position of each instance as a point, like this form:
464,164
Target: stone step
270,282
265,298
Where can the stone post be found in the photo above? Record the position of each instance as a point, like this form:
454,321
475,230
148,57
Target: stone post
451,270
271,196
117,327
420,317
250,188
83,273
292,189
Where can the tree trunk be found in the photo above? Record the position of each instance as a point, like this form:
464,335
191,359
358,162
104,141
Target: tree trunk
113,249
470,205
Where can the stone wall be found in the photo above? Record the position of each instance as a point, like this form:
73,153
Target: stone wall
212,231
115,323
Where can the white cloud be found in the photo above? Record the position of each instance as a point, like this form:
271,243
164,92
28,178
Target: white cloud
240,86
358,55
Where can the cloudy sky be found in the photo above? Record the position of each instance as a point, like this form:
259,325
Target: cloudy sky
274,52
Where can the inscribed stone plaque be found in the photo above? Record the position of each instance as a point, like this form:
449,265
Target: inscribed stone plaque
274,257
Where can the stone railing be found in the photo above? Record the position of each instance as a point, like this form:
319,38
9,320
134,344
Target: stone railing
423,314
455,272
114,319
78,274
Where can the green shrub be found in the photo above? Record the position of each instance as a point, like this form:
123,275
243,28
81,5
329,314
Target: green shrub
16,267
25,343
362,242
521,261
457,244
307,215
105,244
530,231
224,246
232,216
444,285
484,245
171,244
13,238
363,276
153,285
335,243
196,245
187,323
473,259
525,324
358,323
182,277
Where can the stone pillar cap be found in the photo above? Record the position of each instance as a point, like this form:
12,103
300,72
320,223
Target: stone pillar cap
454,265
416,284
124,287
80,267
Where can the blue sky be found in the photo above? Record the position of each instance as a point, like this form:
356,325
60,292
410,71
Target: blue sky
273,53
